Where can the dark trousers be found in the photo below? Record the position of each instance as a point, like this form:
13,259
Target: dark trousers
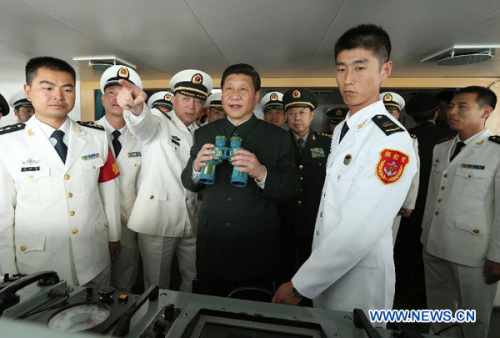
408,256
258,289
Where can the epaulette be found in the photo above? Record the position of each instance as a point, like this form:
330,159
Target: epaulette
413,135
495,139
12,128
90,124
386,125
326,135
446,139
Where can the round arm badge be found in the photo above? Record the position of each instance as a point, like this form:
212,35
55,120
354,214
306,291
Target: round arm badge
391,165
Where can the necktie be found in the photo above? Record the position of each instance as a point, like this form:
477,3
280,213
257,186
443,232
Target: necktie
345,129
117,146
458,148
61,148
300,146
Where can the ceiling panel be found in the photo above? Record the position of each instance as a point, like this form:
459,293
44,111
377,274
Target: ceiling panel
280,38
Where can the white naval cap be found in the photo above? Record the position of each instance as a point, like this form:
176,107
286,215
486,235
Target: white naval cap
19,99
163,98
272,100
117,72
192,82
393,100
215,100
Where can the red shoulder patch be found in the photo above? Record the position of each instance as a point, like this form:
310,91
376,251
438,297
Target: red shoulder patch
110,170
391,165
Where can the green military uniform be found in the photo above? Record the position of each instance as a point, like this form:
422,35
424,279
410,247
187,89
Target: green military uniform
239,227
299,215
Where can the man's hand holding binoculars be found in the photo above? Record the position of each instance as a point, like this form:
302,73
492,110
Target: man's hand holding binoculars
243,160
247,162
205,154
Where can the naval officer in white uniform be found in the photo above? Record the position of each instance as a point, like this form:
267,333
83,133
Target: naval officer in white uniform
59,205
165,214
461,225
126,148
369,172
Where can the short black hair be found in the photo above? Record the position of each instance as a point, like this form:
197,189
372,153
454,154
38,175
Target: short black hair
245,69
48,62
370,37
485,96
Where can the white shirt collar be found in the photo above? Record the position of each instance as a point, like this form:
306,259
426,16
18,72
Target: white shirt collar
110,128
48,130
365,114
471,139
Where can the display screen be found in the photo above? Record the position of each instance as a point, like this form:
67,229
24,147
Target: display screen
212,330
219,324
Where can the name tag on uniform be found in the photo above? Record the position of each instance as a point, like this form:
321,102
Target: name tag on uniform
23,169
317,152
90,156
134,154
472,166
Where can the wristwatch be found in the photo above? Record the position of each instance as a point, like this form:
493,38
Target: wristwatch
296,293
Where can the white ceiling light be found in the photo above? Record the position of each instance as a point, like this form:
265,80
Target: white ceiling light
462,55
102,62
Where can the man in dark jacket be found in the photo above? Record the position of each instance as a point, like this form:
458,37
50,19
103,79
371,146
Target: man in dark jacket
238,242
311,153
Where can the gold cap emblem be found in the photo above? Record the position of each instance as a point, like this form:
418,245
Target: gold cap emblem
296,94
168,97
197,79
123,72
387,97
338,112
274,97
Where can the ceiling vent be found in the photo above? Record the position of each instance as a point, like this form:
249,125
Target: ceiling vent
462,55
103,62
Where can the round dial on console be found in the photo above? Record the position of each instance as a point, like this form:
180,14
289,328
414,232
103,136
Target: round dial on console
79,317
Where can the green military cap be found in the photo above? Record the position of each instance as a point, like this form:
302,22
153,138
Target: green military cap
296,97
337,115
422,105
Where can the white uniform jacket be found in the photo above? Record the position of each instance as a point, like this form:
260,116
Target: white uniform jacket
129,161
462,212
54,213
163,206
357,208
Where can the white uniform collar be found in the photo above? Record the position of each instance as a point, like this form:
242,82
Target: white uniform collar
48,130
363,116
110,128
471,139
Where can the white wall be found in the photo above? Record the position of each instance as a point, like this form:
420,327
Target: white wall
7,89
